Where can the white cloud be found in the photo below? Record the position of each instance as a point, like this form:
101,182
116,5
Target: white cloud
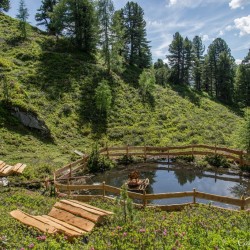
189,3
243,24
229,28
205,38
234,4
221,33
238,61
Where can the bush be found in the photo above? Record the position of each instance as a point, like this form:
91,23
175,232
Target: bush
217,160
97,162
126,160
185,158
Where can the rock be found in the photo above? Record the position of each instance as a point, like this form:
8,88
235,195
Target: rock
30,120
4,182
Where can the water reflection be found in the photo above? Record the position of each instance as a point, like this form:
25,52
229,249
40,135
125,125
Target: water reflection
170,178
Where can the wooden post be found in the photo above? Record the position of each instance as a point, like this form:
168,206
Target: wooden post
144,198
70,172
168,155
103,189
215,149
127,151
69,191
241,159
194,196
145,153
56,190
192,151
242,207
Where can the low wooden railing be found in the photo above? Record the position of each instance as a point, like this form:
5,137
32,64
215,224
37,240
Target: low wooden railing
149,152
63,190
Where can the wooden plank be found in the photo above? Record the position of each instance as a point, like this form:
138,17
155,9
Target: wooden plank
61,228
7,170
112,189
71,219
17,166
223,199
77,210
135,195
2,165
76,229
30,221
63,187
21,169
247,201
135,148
168,195
117,148
95,208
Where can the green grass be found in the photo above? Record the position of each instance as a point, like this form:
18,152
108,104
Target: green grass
56,83
200,227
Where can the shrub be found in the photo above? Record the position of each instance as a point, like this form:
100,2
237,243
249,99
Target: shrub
217,160
97,162
126,160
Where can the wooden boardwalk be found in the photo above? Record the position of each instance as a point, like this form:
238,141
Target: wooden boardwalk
70,217
6,170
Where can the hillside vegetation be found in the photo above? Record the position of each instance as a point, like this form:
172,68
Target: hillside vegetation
57,83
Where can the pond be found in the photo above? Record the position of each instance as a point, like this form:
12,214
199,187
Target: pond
166,178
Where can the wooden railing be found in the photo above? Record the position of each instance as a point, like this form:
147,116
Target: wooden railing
64,190
149,152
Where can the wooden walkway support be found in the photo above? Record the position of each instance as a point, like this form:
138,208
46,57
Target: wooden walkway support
70,217
6,170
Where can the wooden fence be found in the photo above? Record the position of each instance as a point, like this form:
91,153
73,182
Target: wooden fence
64,190
150,152
145,152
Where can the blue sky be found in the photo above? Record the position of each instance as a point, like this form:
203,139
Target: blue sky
228,19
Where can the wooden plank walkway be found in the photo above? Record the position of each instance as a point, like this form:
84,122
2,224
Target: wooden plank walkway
6,170
72,218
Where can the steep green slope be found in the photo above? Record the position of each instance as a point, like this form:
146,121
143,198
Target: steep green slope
57,84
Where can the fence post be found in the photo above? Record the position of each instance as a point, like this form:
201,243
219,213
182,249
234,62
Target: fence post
192,151
145,153
168,155
194,196
144,198
215,149
69,191
127,151
70,172
242,207
241,159
103,189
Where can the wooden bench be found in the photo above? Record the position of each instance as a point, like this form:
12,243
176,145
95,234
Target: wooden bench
6,170
70,217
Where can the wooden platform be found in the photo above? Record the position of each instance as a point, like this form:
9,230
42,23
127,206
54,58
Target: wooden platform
6,169
70,217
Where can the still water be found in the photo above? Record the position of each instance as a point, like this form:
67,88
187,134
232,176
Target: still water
173,178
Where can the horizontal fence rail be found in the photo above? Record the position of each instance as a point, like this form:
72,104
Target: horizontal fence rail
61,188
67,172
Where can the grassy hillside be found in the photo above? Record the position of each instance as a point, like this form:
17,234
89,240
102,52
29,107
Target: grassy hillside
55,82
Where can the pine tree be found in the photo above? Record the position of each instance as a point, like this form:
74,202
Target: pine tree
22,16
137,49
146,82
77,19
117,58
187,61
242,82
105,11
162,72
197,52
176,58
219,62
43,16
4,5
103,97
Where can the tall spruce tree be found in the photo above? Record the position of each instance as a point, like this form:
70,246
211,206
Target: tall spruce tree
242,82
22,16
43,16
77,20
187,61
197,52
137,49
117,58
176,58
162,72
105,11
4,5
220,62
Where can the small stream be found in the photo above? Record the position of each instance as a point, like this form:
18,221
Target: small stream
166,178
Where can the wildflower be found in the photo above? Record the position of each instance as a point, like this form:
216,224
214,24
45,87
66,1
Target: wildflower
142,230
65,237
31,245
165,232
22,248
183,233
118,228
92,248
42,237
124,234
176,234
